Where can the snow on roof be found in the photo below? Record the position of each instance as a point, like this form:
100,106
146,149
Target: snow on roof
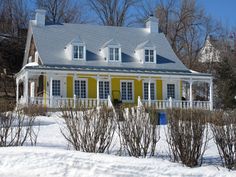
195,72
31,64
51,40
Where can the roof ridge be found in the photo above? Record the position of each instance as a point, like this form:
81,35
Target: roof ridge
107,26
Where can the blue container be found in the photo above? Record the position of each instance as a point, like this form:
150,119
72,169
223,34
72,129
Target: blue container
163,119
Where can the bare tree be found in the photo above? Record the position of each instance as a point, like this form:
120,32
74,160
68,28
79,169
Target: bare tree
186,26
112,12
61,11
14,16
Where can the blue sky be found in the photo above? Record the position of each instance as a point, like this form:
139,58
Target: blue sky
223,10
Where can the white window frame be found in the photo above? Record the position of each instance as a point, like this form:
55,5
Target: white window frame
114,47
154,54
84,51
174,90
152,82
128,101
60,88
177,88
86,82
104,80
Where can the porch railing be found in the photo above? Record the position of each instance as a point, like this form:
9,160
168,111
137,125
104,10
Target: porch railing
63,102
93,102
164,104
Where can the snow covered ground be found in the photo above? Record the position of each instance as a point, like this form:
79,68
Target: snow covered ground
52,157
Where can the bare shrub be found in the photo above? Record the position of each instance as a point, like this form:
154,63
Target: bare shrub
224,131
187,135
6,105
35,110
138,131
16,128
89,130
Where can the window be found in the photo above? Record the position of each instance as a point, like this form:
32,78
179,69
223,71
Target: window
78,52
114,54
149,56
127,90
81,52
146,91
80,88
56,88
75,52
170,91
104,89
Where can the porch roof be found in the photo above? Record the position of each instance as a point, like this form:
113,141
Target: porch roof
114,70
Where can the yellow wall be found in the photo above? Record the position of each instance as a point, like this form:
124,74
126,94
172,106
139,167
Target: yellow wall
115,86
159,90
115,89
92,88
69,86
92,85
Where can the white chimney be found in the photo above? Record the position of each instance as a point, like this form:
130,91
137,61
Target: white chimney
152,24
40,17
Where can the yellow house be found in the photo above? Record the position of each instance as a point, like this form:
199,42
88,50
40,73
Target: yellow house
93,65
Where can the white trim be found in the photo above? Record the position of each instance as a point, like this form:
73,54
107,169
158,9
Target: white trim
81,79
104,80
63,84
60,94
127,101
26,87
154,54
84,51
177,89
163,76
108,53
147,81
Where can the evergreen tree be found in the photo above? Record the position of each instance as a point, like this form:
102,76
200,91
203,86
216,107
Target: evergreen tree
226,83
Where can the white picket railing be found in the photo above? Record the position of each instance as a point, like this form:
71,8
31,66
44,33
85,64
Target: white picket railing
56,102
201,104
164,104
39,100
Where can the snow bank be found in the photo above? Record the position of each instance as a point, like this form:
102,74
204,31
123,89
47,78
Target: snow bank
51,157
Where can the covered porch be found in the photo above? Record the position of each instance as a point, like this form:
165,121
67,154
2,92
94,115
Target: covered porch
54,89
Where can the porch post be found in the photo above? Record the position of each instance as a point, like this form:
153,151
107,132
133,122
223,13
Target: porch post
98,99
211,94
149,93
17,91
26,88
191,93
50,91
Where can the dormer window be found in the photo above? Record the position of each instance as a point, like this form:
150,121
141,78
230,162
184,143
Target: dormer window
146,52
114,54
78,52
76,49
111,51
149,56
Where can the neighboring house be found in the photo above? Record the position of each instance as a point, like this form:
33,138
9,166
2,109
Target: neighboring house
210,53
89,64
